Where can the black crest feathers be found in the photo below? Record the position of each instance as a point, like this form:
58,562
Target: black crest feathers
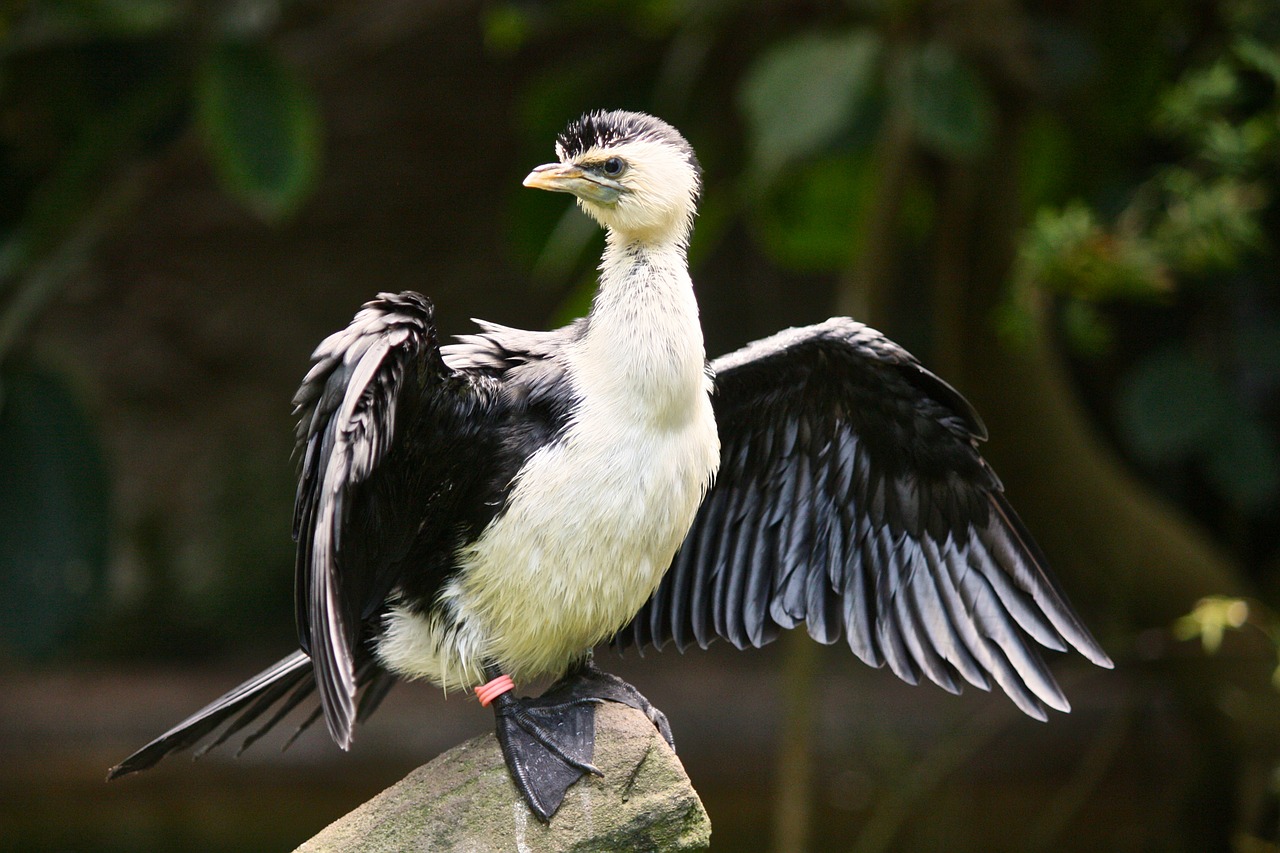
602,129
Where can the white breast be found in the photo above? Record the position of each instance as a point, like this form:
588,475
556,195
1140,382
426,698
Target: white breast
595,518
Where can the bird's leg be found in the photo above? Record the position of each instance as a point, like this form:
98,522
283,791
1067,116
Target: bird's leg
585,682
547,747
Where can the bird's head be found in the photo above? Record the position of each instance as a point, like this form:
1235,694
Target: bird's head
633,173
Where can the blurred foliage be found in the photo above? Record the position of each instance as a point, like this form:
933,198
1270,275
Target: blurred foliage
260,125
806,92
1147,144
1197,222
1149,170
1198,214
1174,405
53,508
92,86
1068,252
948,102
91,91
1215,615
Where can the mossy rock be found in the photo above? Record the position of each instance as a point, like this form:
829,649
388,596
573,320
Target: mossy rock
464,800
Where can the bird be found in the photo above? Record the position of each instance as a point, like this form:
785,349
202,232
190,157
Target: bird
487,511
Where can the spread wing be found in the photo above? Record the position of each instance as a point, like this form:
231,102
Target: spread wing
851,497
387,433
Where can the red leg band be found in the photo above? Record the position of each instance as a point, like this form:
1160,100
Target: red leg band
486,693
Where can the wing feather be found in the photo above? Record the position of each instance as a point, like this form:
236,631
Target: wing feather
700,585
963,640
859,593
758,581
377,394
674,617
888,624
923,640
852,497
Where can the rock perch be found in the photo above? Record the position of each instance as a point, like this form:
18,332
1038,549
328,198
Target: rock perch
464,800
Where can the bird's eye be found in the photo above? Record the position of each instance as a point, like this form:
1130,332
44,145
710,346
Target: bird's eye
613,167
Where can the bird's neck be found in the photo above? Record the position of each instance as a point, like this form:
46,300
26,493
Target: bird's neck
644,341
629,261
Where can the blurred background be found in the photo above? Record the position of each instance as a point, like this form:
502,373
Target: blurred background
1069,210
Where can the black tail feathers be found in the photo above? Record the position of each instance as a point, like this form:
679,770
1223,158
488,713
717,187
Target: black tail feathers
290,679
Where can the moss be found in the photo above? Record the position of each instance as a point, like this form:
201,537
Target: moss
465,800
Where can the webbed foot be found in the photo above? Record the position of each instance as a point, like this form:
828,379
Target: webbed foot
585,682
548,742
547,747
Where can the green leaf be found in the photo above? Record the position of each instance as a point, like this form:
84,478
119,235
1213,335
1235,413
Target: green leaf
1200,95
947,102
1067,251
53,513
1208,225
261,126
1260,57
1171,405
814,220
802,94
1210,619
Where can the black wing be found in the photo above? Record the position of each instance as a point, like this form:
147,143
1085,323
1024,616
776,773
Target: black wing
851,496
389,437
397,454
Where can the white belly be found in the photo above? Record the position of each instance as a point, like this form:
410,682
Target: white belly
594,519
590,529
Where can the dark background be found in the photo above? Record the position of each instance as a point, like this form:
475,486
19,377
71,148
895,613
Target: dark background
1066,209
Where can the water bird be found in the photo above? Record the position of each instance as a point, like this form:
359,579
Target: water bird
487,511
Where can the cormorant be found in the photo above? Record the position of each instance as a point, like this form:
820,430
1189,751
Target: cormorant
492,509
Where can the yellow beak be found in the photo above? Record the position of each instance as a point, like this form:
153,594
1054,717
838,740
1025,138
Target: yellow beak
570,178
